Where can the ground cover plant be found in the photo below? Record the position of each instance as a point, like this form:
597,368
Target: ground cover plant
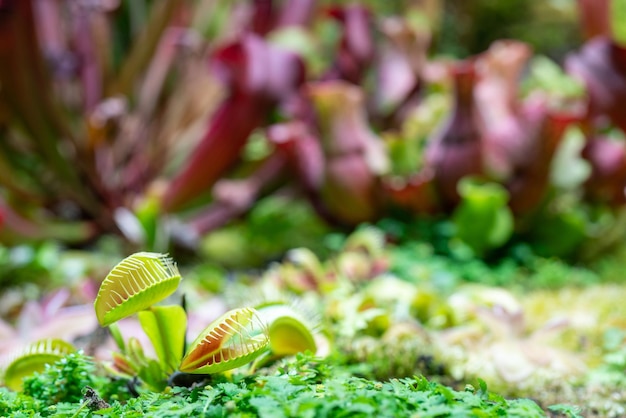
391,208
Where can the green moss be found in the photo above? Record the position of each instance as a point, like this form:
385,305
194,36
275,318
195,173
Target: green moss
301,387
62,382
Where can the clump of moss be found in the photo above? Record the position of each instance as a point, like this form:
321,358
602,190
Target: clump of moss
63,381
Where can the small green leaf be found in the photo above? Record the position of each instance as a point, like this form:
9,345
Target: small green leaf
483,387
136,355
288,331
135,284
166,327
547,76
558,233
34,359
570,411
234,339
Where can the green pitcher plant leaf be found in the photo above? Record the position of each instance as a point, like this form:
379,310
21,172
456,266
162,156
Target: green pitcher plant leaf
135,284
288,331
166,327
33,358
234,339
483,220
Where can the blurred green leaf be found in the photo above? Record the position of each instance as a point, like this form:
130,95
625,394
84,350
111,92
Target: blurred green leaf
571,411
618,21
483,220
569,170
559,233
547,76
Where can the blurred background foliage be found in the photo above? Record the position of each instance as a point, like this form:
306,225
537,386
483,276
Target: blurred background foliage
469,27
236,131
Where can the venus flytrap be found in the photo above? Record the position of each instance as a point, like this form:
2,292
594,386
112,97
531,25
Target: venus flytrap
233,340
143,279
133,286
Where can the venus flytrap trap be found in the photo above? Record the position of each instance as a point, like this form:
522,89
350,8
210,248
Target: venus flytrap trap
34,358
289,332
234,339
135,284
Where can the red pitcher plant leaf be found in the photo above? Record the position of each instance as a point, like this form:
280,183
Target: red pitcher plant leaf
354,155
268,15
356,48
302,151
530,181
594,17
417,194
258,75
233,198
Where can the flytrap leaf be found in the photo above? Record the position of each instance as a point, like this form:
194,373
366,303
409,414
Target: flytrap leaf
166,327
288,331
234,339
136,283
34,359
